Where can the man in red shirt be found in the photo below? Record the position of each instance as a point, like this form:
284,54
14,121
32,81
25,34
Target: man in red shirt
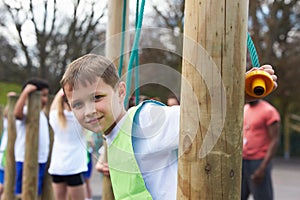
260,141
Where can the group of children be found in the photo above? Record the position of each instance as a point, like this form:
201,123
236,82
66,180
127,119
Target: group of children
71,161
142,142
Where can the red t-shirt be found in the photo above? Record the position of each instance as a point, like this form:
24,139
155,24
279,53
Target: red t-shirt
256,138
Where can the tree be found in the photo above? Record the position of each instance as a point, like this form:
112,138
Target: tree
275,29
47,35
8,69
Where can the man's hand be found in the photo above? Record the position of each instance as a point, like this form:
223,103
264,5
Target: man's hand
258,176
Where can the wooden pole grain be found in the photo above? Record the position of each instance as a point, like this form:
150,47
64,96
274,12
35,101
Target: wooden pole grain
31,165
112,52
10,168
212,99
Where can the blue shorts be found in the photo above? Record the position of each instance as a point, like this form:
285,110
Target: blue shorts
87,174
1,176
19,172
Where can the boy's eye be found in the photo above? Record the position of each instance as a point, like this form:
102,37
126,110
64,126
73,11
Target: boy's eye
98,97
77,105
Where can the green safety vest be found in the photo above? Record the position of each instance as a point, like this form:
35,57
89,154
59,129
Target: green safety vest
127,180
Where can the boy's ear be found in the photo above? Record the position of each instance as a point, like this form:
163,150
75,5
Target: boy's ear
122,89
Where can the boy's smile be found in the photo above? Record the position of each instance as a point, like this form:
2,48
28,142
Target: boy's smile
97,106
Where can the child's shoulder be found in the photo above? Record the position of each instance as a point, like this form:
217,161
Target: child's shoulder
152,112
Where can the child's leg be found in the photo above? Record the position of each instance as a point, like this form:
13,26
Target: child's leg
77,192
76,186
87,176
42,168
19,173
1,181
60,191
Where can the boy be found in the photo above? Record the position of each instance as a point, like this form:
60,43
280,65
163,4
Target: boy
142,143
20,112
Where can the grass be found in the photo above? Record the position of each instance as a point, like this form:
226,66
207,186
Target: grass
5,88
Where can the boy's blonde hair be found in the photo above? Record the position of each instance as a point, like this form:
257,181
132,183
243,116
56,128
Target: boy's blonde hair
87,69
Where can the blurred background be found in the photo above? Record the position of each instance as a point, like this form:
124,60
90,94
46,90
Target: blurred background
40,38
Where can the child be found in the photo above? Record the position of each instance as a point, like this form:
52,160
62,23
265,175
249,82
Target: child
20,112
68,159
142,142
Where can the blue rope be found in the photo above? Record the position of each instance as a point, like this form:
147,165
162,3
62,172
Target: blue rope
137,90
134,51
252,51
122,39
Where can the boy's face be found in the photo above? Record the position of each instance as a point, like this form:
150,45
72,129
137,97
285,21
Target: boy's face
97,106
44,96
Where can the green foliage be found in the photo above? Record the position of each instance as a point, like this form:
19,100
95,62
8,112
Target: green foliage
5,88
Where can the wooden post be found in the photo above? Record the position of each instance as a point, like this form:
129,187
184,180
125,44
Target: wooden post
10,168
214,65
31,165
47,193
112,51
114,32
1,121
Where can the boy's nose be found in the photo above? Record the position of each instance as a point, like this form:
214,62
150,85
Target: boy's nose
90,109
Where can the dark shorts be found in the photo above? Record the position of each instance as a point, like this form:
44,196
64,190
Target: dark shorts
70,180
263,190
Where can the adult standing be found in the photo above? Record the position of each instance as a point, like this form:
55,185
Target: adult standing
260,142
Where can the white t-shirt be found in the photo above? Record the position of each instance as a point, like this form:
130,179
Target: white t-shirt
44,139
69,153
3,141
155,143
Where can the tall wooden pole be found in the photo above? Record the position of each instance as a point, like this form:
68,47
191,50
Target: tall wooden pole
1,121
31,165
214,60
114,32
112,51
10,168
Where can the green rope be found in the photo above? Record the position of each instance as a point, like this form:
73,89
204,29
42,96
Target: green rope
122,39
134,51
252,51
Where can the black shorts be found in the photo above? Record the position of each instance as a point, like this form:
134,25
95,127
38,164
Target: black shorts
70,180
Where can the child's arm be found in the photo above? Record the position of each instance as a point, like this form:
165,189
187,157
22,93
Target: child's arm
18,110
56,99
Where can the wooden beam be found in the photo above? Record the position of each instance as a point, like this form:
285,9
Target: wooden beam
295,117
1,121
112,51
114,33
10,168
214,60
31,165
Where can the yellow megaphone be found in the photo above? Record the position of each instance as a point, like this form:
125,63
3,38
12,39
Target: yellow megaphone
258,83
